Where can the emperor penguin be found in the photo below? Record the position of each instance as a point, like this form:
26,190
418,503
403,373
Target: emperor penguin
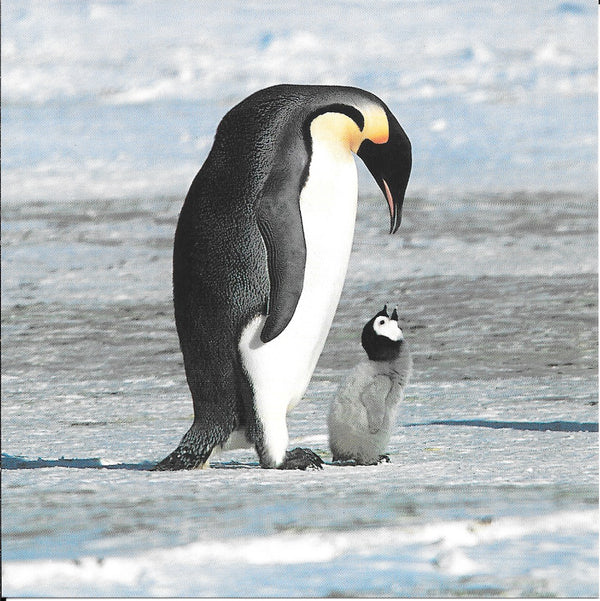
363,414
260,255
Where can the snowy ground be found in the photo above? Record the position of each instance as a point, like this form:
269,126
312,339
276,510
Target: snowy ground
493,485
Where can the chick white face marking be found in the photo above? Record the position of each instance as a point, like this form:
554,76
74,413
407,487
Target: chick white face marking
384,326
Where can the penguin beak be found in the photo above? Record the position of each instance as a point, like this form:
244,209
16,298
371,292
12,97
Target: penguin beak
390,164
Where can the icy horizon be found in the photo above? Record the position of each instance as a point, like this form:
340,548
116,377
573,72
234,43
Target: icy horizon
121,99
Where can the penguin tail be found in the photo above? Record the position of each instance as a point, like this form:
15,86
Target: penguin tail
192,453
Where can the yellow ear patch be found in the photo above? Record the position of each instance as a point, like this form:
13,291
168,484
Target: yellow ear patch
377,128
337,128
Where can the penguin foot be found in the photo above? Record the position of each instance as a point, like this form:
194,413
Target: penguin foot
180,459
344,462
355,462
300,459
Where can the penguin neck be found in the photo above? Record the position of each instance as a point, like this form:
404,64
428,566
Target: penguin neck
328,204
329,198
381,349
336,131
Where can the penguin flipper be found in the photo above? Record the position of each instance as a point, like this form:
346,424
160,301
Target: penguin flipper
373,398
280,224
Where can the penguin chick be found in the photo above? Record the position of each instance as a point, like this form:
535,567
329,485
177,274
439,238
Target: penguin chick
363,414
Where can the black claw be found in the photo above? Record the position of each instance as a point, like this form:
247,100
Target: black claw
301,459
179,460
385,458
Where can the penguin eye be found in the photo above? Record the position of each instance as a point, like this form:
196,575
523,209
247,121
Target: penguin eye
381,321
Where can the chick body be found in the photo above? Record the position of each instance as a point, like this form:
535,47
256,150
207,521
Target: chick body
364,412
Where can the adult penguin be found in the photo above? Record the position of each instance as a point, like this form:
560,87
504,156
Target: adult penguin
260,256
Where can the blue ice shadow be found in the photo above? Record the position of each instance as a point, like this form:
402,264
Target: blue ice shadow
557,426
13,462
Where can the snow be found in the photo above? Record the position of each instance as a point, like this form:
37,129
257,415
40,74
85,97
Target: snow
121,100
439,550
108,110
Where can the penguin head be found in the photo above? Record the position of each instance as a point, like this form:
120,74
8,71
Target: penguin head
367,126
382,338
389,159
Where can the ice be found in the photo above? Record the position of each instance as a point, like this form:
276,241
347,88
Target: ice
499,425
108,110
439,551
131,93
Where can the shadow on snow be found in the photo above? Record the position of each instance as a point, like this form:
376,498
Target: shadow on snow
558,426
14,462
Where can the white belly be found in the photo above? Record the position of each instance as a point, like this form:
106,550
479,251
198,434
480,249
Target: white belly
280,370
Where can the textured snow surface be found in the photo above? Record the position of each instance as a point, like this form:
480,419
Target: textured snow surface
108,110
493,484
